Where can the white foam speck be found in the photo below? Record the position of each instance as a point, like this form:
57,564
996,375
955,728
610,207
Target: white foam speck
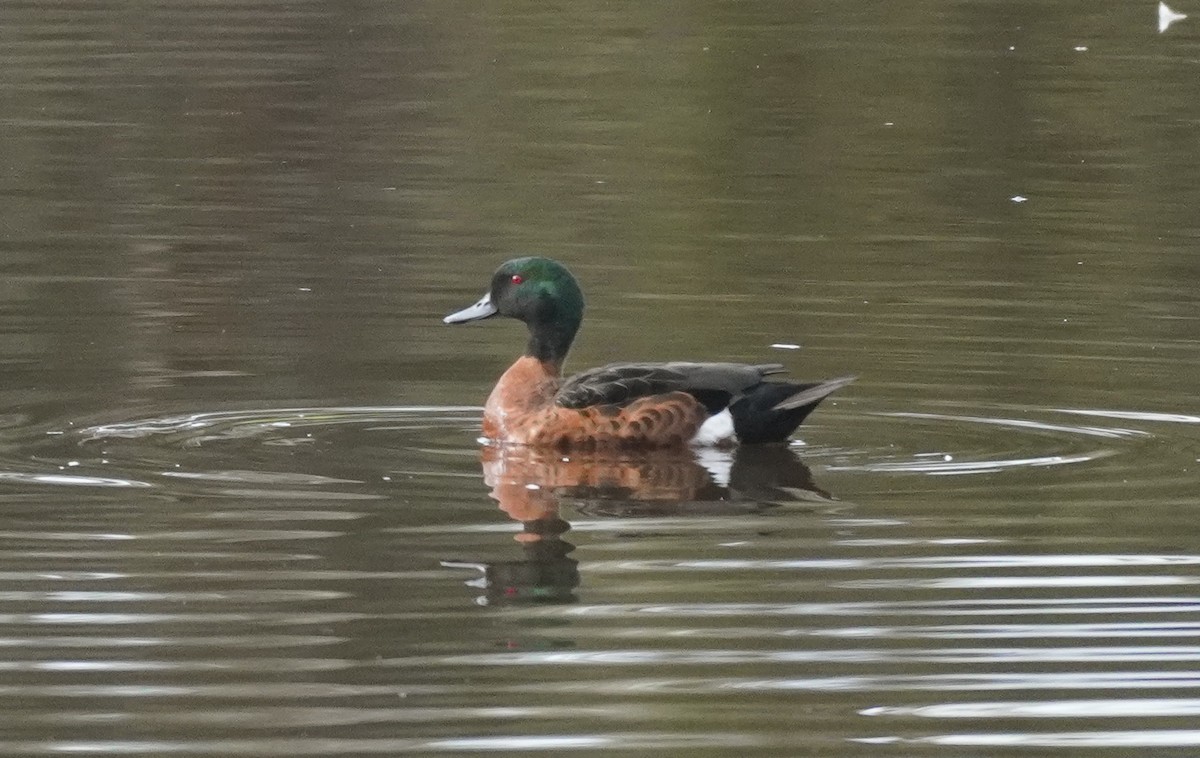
1166,17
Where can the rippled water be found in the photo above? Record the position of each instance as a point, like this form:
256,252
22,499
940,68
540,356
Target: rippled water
243,508
341,581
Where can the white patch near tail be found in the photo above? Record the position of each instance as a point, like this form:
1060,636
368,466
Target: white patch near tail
716,431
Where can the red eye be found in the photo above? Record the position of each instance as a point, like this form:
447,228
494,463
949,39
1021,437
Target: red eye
516,279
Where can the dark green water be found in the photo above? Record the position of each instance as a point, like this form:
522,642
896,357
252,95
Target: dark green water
242,507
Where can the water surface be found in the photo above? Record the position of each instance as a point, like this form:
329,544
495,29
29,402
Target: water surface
242,504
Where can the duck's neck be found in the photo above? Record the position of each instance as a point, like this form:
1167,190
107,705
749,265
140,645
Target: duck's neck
549,342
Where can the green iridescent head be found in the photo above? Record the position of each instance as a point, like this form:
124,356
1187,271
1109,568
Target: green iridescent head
542,293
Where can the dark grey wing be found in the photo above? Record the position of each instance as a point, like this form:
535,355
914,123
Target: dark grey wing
714,384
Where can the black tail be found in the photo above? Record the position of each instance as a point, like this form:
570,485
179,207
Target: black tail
771,411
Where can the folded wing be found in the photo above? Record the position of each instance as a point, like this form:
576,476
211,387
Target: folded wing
713,384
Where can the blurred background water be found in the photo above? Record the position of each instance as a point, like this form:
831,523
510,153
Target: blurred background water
242,506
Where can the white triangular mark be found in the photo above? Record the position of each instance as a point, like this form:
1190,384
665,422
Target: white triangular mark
1166,17
718,463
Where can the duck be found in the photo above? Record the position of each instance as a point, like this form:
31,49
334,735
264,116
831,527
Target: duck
622,406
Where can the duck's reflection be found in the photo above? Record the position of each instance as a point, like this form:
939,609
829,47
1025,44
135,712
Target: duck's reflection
530,485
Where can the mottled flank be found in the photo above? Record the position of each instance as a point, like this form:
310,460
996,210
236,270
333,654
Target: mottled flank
522,410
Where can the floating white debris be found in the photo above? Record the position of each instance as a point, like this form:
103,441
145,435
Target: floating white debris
1166,17
1081,48
785,346
1018,198
532,487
